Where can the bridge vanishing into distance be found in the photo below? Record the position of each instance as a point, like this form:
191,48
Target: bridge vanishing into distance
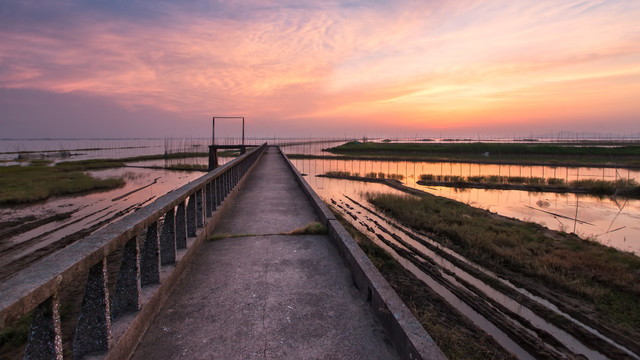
160,286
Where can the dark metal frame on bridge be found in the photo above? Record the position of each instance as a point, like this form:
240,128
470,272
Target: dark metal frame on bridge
213,148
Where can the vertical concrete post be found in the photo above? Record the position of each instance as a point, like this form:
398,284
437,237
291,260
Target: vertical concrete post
181,227
218,181
45,334
226,183
214,195
168,239
191,216
93,333
199,208
207,200
150,264
127,293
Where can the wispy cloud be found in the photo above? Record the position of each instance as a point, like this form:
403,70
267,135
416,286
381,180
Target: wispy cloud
428,63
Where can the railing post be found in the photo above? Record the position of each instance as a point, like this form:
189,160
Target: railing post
45,334
199,208
127,293
207,200
93,332
191,216
168,239
181,227
214,196
218,190
151,256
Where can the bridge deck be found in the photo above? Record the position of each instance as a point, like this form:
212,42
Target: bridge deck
266,295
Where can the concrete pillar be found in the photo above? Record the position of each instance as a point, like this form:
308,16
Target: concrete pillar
214,195
168,239
150,264
181,227
191,216
45,334
218,181
200,208
127,293
207,200
93,333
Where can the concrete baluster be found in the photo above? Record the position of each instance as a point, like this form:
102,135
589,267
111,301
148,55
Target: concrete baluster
208,199
191,216
127,293
200,208
45,335
93,333
226,184
150,264
181,227
168,239
214,195
218,181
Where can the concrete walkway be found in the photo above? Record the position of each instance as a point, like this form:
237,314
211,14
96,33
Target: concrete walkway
266,296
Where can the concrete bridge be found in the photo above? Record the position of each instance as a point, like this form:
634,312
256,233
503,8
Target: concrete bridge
258,290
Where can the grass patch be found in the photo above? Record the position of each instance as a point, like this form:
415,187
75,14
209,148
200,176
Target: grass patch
590,186
25,184
187,167
216,237
601,275
16,334
454,334
626,154
313,228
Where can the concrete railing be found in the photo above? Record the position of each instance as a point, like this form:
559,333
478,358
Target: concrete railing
409,338
156,243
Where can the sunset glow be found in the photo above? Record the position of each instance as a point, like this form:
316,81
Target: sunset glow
296,68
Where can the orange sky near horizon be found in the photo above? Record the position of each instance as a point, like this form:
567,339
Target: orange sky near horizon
402,66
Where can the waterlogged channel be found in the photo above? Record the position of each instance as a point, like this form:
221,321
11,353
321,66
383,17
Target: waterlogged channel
613,222
31,232
524,323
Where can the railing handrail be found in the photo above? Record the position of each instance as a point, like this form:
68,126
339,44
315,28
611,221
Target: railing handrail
31,286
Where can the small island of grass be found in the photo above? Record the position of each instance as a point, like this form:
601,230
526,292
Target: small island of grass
600,154
26,184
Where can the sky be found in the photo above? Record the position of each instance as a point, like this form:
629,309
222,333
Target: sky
141,68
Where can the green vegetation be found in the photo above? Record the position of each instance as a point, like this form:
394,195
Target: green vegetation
24,184
216,237
606,278
340,174
370,175
187,167
628,154
313,228
454,334
591,186
16,334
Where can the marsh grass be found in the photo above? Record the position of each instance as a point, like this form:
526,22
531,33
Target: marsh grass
24,184
605,277
313,228
491,148
454,334
16,334
514,153
592,186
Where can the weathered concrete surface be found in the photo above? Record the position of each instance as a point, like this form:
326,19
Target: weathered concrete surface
266,296
271,201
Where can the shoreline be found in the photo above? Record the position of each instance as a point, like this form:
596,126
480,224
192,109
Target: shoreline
488,161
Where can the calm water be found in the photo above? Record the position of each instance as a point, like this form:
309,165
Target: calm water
614,222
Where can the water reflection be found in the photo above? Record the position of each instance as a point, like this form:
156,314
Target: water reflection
613,222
